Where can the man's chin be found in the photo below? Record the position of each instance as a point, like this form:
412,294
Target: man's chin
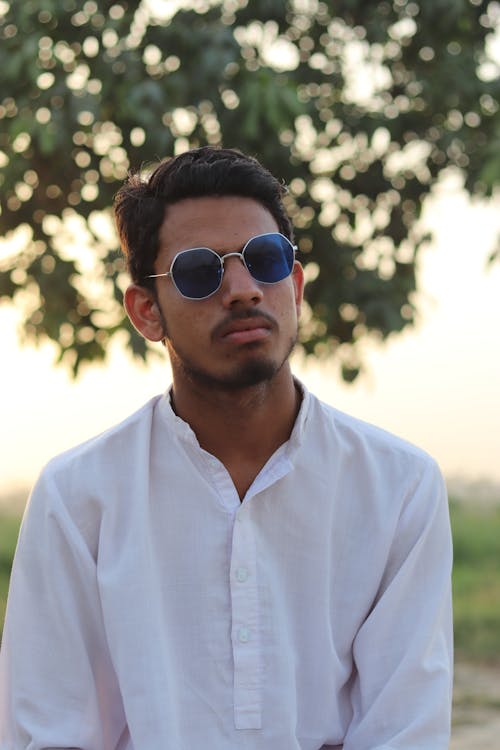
252,373
246,375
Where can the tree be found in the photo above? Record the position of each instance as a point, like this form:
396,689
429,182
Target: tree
359,107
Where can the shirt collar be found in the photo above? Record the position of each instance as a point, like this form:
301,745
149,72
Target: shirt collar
184,432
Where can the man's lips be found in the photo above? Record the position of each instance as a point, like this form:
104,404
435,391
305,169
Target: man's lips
243,330
246,336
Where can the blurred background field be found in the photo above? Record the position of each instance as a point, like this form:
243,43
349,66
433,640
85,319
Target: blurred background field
9,528
476,581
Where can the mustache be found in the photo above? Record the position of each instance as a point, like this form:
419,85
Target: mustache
243,315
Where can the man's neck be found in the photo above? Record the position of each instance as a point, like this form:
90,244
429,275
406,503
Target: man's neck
243,427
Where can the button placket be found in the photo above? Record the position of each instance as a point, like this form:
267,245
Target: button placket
245,628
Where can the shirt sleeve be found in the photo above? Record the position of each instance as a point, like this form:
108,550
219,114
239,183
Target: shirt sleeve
401,695
57,684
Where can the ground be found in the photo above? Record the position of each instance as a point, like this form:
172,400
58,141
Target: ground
476,707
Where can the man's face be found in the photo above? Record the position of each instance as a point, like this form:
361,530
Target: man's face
242,334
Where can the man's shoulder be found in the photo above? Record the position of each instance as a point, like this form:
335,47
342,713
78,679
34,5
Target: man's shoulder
119,440
355,434
78,487
368,461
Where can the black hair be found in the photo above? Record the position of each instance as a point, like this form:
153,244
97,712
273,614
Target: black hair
141,202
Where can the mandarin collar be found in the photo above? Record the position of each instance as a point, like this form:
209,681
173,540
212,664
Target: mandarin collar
184,432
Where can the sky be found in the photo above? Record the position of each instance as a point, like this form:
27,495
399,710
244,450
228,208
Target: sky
437,384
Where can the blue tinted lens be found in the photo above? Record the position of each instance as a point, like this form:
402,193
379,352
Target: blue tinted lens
269,258
197,273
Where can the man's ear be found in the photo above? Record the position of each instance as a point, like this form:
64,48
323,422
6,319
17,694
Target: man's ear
144,312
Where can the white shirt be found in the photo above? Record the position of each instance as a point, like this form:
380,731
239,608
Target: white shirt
150,610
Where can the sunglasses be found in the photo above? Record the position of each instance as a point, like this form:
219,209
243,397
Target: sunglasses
197,273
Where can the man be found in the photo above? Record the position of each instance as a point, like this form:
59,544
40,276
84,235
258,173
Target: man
237,565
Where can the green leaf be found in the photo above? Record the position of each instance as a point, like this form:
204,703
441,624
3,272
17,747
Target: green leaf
427,90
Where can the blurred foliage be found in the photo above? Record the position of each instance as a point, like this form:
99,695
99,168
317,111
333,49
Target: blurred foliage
357,106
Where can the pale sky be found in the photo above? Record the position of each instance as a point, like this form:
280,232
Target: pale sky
437,385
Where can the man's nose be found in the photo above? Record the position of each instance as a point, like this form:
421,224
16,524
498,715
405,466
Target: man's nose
238,285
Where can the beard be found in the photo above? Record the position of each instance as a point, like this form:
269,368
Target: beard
253,371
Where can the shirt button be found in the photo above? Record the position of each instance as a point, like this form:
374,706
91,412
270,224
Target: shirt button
243,635
241,575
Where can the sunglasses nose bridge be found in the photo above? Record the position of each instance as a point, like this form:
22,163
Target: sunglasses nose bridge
223,258
239,283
